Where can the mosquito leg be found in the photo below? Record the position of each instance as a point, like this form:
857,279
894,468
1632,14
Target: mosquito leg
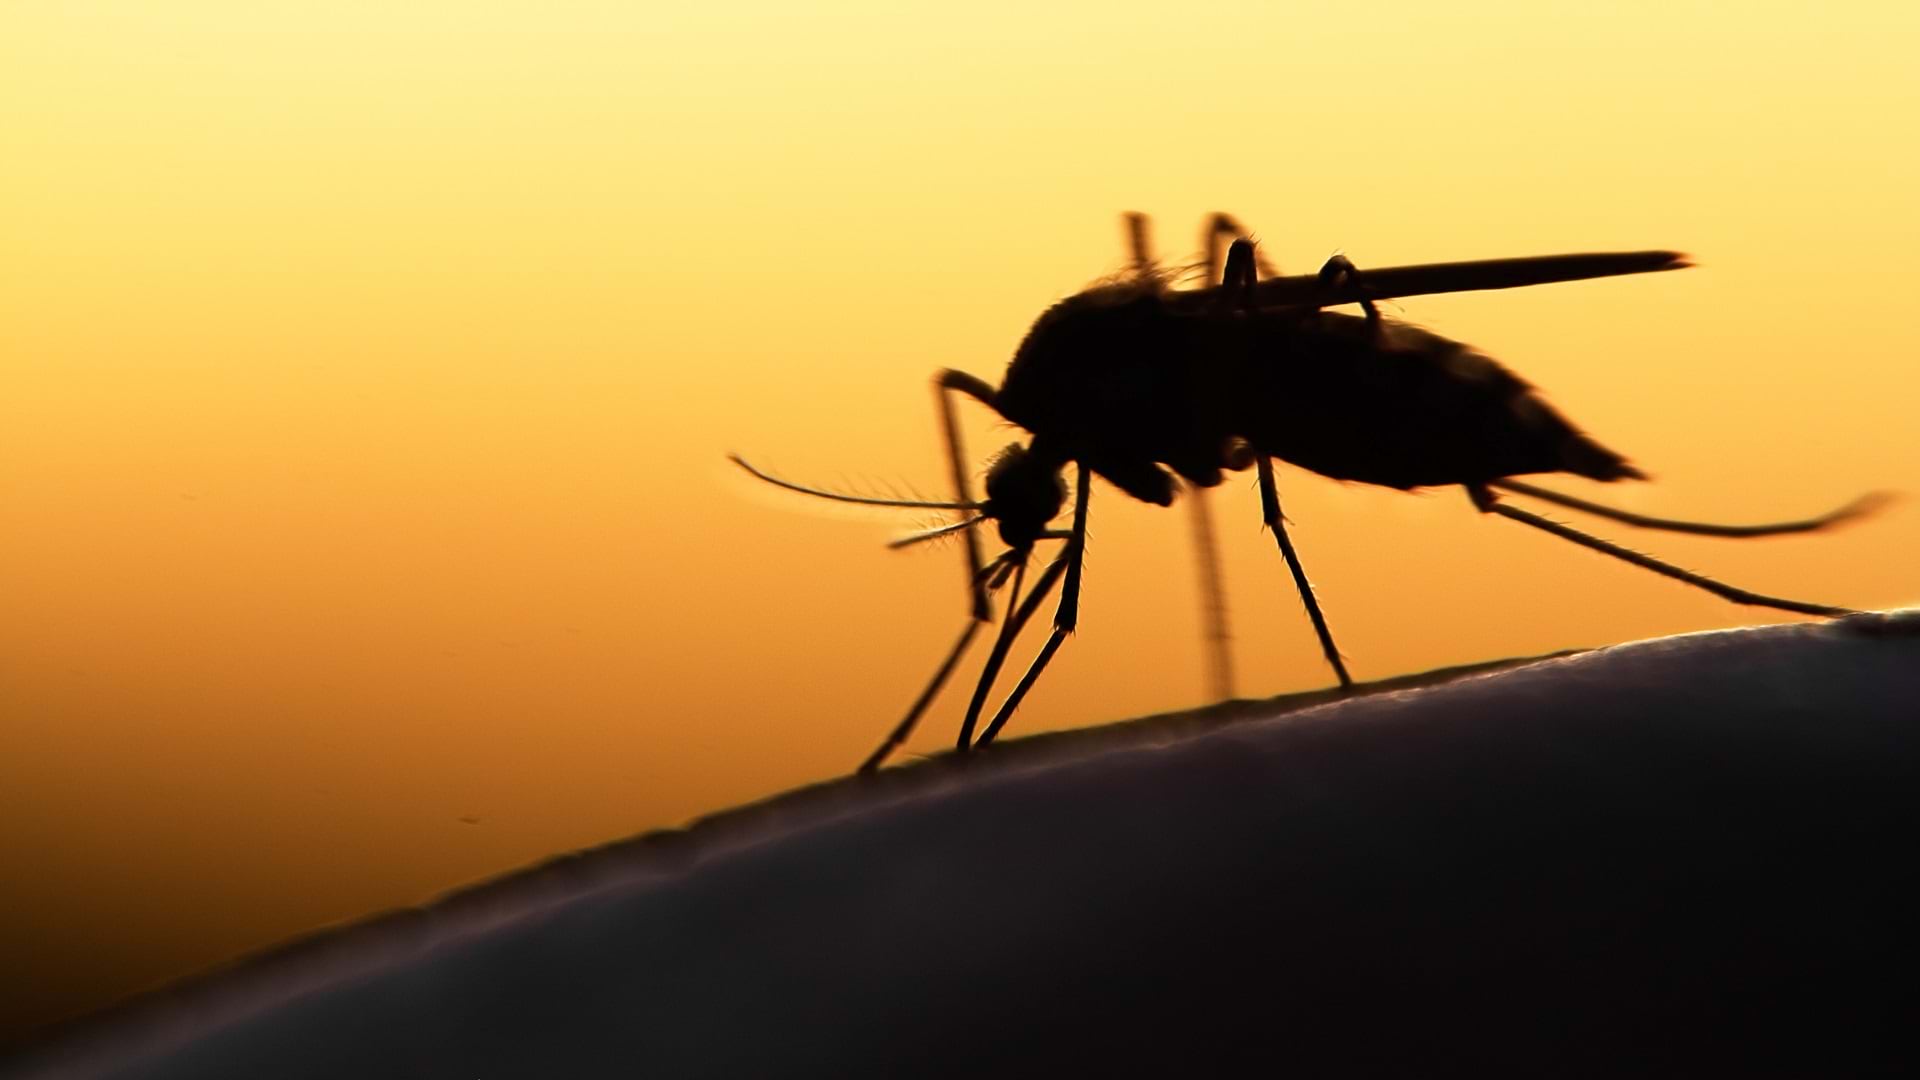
948,383
1001,644
1237,268
1009,629
1858,508
1068,614
1221,229
1040,590
1490,503
1016,621
1269,492
1065,617
1000,718
1139,247
991,577
1213,597
994,575
1270,506
905,728
1239,277
1340,270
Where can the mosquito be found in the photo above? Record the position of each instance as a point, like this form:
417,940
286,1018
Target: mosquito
1138,384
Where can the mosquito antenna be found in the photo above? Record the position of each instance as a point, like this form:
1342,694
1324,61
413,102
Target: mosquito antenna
839,496
935,534
1858,508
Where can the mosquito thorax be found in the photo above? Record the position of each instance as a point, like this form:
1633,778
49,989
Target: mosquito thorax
1023,495
1108,342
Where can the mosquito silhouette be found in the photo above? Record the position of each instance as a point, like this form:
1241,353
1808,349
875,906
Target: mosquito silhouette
1138,383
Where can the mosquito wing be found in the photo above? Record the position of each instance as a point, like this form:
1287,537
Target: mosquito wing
1427,278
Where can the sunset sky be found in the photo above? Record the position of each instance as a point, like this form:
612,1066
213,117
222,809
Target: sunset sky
367,375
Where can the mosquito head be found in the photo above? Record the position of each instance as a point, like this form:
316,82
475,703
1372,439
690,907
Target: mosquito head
1024,493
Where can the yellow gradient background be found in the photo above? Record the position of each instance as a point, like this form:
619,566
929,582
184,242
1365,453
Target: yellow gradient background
366,372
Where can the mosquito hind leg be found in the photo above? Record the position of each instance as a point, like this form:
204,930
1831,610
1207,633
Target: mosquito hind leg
1853,511
1270,507
1489,503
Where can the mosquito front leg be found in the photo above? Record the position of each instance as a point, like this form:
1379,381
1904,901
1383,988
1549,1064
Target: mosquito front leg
1065,617
1270,506
1489,503
948,382
993,576
1016,621
919,707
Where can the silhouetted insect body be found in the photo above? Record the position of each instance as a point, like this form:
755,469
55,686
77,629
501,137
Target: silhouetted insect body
1137,383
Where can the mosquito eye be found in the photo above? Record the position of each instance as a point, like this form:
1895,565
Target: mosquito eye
1236,454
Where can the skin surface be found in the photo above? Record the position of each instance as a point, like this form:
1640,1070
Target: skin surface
1666,858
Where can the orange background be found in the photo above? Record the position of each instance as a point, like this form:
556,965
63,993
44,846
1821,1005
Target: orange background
365,380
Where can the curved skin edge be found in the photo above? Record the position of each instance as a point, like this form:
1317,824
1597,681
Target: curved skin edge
158,1023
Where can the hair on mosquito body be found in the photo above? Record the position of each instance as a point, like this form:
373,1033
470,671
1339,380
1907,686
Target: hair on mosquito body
1159,390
